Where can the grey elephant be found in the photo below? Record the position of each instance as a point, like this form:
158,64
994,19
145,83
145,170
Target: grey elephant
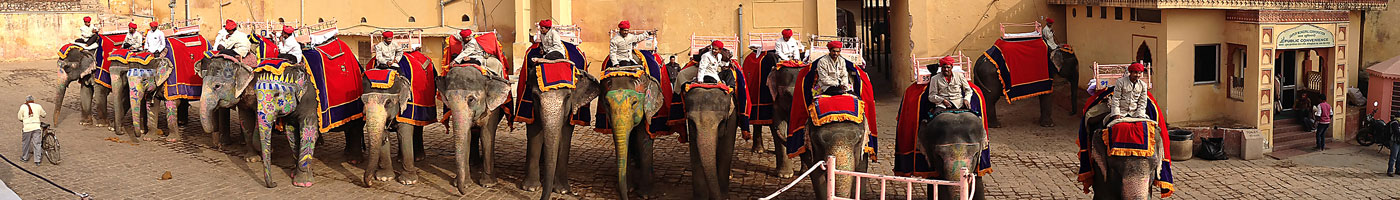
1125,157
989,77
842,127
475,100
386,93
126,63
323,96
553,98
941,145
712,115
76,64
226,89
781,82
174,82
628,110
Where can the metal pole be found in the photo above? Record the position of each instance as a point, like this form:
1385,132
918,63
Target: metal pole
830,177
741,27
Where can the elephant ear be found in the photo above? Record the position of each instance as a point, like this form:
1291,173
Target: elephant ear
164,71
498,94
585,90
683,76
244,78
654,98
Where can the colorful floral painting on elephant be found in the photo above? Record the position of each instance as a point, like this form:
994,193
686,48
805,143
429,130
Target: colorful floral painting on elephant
175,83
76,64
633,110
321,97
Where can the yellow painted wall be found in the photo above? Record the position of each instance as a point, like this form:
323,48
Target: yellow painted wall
1380,35
940,28
1110,41
1186,29
36,36
1246,109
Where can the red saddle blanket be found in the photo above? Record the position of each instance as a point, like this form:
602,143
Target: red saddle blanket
337,75
184,52
137,57
845,107
555,76
118,55
1131,139
1023,67
262,47
381,78
63,50
724,87
422,107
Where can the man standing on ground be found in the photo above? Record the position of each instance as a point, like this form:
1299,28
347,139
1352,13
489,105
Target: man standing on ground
1323,112
31,114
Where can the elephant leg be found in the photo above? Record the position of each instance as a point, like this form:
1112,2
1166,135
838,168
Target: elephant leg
535,137
488,147
1047,105
409,174
991,113
247,130
785,167
817,152
461,131
725,157
561,173
120,93
355,144
85,103
103,120
172,120
266,117
645,164
418,153
133,98
303,176
757,141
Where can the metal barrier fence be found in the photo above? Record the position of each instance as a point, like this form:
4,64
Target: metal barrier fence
966,184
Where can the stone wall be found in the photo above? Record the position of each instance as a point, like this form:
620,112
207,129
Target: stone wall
48,5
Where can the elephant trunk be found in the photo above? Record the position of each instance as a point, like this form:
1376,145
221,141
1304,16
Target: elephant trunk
58,104
845,161
207,104
462,122
375,116
957,157
707,141
1137,177
554,117
624,117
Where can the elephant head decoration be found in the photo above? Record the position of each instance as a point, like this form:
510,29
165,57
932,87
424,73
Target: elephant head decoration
836,125
227,85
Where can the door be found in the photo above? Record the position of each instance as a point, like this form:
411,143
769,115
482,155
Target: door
1287,73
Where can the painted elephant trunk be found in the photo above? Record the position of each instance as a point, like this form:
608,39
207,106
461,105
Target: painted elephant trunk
624,118
958,157
58,104
207,104
375,116
845,161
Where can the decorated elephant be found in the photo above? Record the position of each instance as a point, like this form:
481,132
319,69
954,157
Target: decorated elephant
126,63
475,95
939,144
174,82
227,87
1035,65
76,64
633,109
323,96
102,81
710,115
1125,157
780,83
838,125
552,99
386,93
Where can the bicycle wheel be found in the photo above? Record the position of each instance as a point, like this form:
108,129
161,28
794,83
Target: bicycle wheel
51,149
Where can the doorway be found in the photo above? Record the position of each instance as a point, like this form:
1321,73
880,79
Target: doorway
875,17
1286,73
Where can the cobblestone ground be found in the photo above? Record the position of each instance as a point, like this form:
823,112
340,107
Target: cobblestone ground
1030,162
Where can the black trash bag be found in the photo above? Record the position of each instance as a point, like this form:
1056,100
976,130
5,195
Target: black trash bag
1212,149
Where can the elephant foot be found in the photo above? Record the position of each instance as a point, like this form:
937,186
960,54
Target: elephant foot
303,179
461,187
564,189
175,139
252,158
530,186
408,178
85,122
1044,123
784,173
994,124
353,158
487,181
270,184
384,175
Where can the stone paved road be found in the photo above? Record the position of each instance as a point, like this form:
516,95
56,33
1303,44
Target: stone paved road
1030,163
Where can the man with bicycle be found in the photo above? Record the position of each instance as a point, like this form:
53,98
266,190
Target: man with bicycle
31,114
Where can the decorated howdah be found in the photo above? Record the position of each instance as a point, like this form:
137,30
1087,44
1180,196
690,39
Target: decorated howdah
652,69
337,74
421,109
757,68
184,52
1023,67
915,109
548,76
1128,138
103,72
806,98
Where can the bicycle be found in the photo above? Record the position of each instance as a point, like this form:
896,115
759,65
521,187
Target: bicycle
50,145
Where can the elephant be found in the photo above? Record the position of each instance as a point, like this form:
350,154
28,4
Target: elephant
1123,177
145,84
383,102
1125,170
713,115
849,139
782,81
319,96
986,77
175,81
76,65
631,99
122,88
554,107
954,142
475,100
227,88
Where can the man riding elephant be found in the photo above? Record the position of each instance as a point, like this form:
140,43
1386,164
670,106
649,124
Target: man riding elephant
155,40
1122,153
87,35
133,38
621,45
232,42
712,62
289,49
833,115
1129,99
948,90
832,77
385,53
550,42
789,48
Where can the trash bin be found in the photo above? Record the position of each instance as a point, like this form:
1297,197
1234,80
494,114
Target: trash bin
1181,143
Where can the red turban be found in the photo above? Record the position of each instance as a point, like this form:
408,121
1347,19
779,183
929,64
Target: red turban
947,61
154,24
1050,20
624,25
1137,67
717,44
87,19
546,23
288,29
787,32
388,34
131,25
833,45
465,33
230,25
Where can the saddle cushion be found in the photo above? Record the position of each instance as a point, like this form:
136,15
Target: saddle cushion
724,87
63,50
791,63
826,109
274,66
184,52
381,78
137,57
1130,139
1023,67
802,98
118,55
555,76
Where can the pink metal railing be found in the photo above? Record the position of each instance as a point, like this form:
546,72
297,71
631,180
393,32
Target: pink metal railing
966,184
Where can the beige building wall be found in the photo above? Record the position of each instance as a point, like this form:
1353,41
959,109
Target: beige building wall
1246,109
36,36
1185,29
940,28
1110,41
1380,35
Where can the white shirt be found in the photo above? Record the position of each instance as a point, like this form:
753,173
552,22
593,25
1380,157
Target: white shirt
237,40
155,41
291,46
1049,36
621,47
1129,99
710,65
550,42
87,31
386,53
790,49
831,71
470,50
31,121
134,39
953,89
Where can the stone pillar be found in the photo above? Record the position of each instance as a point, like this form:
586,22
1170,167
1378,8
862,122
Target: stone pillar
561,11
523,23
826,17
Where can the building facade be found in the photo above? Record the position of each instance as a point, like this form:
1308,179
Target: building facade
1229,63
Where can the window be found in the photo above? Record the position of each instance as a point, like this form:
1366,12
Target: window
1207,63
363,20
466,18
1118,13
1074,12
363,51
410,19
1103,12
1147,15
1089,11
1236,67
